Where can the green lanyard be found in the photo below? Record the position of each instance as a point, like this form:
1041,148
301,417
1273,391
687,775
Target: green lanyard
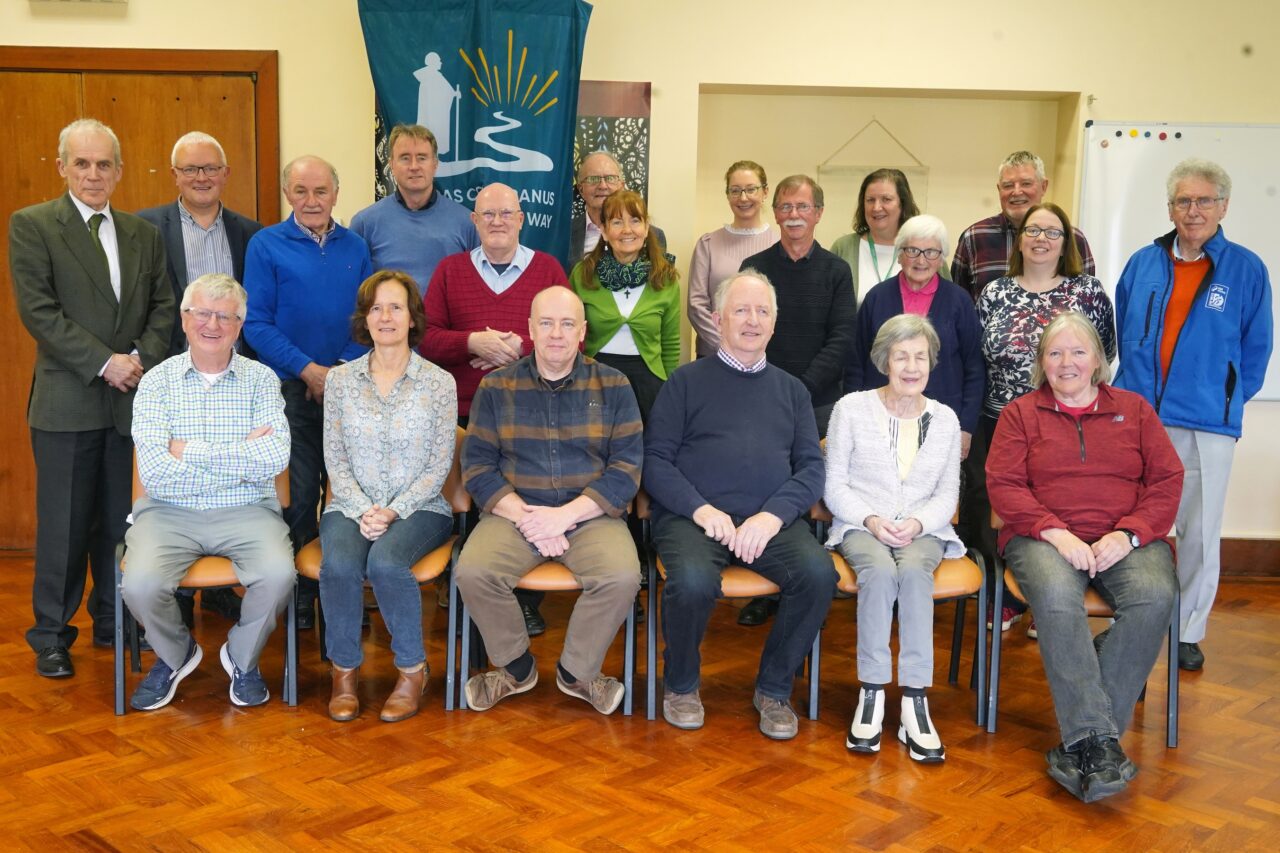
875,261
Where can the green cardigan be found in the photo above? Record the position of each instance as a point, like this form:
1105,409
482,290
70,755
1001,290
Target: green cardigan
654,322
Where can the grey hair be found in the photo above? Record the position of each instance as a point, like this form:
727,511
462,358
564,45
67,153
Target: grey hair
1196,168
214,286
1021,158
196,137
1076,321
923,227
722,289
582,164
87,125
288,169
792,183
899,330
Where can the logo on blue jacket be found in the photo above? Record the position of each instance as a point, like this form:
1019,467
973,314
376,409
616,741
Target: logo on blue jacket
1217,298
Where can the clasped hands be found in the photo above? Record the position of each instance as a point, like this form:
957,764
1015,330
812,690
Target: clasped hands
544,527
376,520
490,348
123,372
1095,558
897,533
747,540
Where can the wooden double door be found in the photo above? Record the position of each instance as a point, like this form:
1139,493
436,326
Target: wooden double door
149,98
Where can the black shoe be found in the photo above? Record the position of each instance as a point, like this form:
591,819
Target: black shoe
1064,768
534,624
1107,770
757,611
1190,657
54,662
306,611
224,602
187,607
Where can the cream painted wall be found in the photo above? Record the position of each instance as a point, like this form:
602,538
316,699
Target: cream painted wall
1141,61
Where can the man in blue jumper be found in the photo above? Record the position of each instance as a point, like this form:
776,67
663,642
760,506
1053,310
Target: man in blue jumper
732,463
302,276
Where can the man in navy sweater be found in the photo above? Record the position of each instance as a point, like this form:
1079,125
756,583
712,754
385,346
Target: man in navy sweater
732,463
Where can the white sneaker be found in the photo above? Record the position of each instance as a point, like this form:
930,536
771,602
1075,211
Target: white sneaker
868,721
917,731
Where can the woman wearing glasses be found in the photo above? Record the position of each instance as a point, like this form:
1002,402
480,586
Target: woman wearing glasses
957,379
718,254
884,204
1045,278
631,292
389,424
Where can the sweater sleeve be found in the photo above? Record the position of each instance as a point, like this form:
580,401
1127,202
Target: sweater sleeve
1161,488
700,296
352,350
671,328
858,367
808,472
936,512
846,503
1009,481
969,335
260,329
664,482
441,343
826,369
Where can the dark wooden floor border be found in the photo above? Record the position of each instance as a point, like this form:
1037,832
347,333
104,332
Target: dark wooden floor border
1251,558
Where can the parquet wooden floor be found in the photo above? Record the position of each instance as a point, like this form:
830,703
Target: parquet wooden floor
545,772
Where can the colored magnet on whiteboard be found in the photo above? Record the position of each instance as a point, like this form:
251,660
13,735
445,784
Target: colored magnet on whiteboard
1178,135
1147,134
1163,136
1106,143
1134,133
1119,133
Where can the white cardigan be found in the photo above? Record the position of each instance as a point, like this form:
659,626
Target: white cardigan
862,474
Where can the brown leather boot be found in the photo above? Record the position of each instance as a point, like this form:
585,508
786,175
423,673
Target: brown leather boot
344,705
406,697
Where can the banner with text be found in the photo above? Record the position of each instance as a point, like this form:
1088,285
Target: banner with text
496,81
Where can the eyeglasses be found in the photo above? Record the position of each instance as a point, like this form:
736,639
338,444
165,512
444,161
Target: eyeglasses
801,208
596,180
1034,231
192,171
504,215
739,192
1202,203
913,252
204,315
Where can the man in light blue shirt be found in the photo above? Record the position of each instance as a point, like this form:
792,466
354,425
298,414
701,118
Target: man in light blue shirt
211,436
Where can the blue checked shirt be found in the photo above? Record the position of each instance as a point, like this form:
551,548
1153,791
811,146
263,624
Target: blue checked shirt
218,468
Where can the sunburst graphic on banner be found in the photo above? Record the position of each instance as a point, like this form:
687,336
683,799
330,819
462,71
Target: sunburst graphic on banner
490,89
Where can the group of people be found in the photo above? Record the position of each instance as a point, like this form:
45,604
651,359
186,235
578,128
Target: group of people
983,396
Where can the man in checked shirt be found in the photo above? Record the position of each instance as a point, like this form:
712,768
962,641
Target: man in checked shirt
552,458
211,435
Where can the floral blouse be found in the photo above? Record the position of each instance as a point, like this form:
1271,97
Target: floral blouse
1013,319
393,451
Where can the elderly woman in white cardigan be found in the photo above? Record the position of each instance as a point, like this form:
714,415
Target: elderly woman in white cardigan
893,478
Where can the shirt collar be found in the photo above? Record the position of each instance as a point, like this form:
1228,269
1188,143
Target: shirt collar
738,365
189,366
519,261
360,366
431,199
577,372
86,211
928,290
813,247
315,238
187,217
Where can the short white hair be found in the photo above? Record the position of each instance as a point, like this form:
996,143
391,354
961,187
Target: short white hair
722,289
1193,167
923,227
287,171
582,164
214,286
87,125
1021,158
196,137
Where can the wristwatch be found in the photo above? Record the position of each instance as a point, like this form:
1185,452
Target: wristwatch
1133,538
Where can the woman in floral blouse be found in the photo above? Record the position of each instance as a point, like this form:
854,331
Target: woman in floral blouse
389,427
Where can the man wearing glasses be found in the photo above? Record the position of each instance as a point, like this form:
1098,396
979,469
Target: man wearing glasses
201,236
416,226
1193,316
599,176
982,253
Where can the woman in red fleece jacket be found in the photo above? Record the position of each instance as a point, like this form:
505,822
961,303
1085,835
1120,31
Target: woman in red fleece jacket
1087,484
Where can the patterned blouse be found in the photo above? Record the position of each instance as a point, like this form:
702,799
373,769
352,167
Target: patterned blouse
393,451
1013,319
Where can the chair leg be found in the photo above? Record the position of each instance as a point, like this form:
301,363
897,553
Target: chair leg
291,653
993,697
118,662
451,683
318,608
651,642
980,648
1175,628
466,657
957,640
815,666
135,645
629,662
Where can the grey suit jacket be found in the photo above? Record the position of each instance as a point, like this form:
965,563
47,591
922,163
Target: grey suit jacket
168,219
63,291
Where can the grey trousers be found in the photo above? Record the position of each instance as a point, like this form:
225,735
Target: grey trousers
1206,459
601,556
887,575
163,543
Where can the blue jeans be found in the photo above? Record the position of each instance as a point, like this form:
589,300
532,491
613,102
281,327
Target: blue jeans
349,559
794,560
1095,689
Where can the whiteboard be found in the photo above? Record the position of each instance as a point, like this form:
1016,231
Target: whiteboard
1124,203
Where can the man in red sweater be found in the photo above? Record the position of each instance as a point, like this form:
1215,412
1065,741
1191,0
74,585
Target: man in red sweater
478,306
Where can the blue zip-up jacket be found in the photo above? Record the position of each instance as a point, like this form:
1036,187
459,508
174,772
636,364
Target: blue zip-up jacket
302,295
1221,354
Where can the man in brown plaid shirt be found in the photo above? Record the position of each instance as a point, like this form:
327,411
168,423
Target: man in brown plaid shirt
552,457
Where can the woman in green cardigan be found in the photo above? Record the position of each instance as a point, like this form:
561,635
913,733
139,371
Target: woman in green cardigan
631,291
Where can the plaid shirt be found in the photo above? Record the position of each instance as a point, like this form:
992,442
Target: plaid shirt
982,254
218,468
551,445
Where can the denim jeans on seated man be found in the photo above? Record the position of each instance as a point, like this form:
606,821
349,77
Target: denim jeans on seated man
1095,688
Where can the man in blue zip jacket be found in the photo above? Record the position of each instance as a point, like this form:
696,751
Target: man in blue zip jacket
1193,312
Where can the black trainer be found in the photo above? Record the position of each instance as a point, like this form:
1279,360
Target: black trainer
1064,768
1107,770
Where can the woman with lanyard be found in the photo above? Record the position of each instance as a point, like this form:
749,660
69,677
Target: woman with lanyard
631,292
884,204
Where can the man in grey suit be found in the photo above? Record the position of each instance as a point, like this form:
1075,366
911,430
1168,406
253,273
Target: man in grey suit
201,236
91,288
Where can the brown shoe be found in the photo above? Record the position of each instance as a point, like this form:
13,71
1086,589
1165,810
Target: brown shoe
406,697
344,705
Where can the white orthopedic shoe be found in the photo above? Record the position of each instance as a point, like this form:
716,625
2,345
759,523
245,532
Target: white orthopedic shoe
868,720
917,731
